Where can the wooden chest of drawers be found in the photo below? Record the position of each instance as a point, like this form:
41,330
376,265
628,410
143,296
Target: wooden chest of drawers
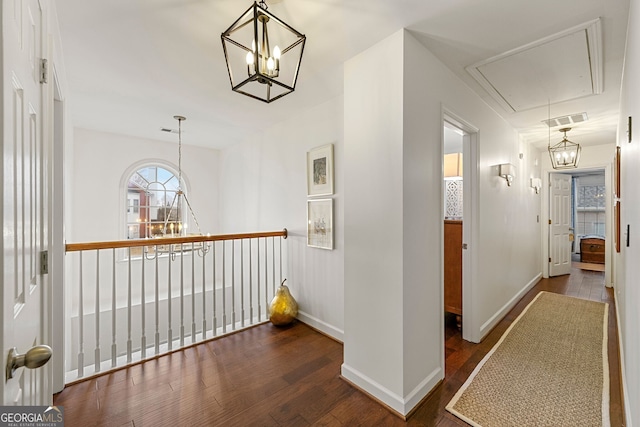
592,250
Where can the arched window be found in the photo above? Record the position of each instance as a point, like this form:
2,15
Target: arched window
151,191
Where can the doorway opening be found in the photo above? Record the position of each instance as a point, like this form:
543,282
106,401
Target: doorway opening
578,206
459,207
589,220
453,178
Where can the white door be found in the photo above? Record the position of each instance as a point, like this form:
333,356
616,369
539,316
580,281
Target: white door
560,225
24,195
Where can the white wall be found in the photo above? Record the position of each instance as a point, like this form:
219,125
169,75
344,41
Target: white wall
263,187
394,345
99,165
627,267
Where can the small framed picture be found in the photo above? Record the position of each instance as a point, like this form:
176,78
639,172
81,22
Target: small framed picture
616,218
320,223
616,172
320,171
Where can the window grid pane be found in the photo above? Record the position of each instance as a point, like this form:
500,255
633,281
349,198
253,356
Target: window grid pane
151,191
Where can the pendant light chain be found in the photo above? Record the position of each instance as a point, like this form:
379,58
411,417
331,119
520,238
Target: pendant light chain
180,119
180,190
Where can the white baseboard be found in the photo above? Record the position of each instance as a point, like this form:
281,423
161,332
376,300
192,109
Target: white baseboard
497,317
625,393
323,327
398,404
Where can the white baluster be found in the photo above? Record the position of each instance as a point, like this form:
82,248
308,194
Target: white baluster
214,321
258,275
129,359
80,324
169,303
114,348
193,294
280,245
143,310
157,306
266,280
96,362
181,297
224,283
250,281
242,281
204,294
233,285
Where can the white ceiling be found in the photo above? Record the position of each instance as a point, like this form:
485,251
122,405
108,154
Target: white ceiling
133,65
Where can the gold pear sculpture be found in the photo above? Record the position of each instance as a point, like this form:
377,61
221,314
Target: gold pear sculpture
283,308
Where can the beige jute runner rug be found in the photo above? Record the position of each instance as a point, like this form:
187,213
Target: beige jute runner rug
550,368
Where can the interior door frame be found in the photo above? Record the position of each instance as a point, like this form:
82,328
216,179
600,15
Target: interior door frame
546,204
470,218
56,301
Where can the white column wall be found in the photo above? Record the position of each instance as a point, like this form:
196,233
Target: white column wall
263,186
394,345
627,267
374,228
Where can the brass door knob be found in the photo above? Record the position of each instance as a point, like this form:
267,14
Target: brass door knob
34,358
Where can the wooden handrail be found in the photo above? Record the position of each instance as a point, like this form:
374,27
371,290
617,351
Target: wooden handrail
115,244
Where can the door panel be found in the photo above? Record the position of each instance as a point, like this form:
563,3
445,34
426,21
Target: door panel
560,227
24,218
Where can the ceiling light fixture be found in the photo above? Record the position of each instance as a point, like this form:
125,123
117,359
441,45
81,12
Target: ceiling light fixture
565,154
263,54
173,219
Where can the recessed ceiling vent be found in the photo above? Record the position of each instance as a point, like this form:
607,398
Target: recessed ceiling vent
566,120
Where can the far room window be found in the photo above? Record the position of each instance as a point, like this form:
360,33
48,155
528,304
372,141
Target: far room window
151,191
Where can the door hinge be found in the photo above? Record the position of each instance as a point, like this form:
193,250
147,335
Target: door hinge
549,222
44,262
549,259
44,71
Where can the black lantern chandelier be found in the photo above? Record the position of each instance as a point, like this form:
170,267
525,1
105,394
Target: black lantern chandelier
263,54
565,154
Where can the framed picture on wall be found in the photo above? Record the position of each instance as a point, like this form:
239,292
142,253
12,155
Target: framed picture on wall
320,223
616,214
320,171
616,172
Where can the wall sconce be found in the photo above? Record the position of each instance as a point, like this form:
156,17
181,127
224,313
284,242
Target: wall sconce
536,184
507,171
453,165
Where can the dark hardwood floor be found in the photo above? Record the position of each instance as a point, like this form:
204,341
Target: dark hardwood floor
269,376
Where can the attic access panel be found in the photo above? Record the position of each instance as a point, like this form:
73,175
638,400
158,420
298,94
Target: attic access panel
558,68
